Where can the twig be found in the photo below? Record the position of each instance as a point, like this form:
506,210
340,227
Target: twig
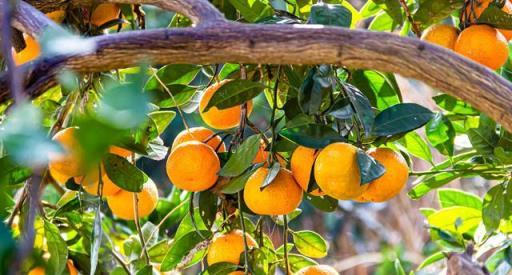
139,229
246,245
17,207
414,25
285,244
121,261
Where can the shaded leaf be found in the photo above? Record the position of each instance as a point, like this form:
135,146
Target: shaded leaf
369,168
401,118
233,93
57,248
242,158
313,135
330,14
124,174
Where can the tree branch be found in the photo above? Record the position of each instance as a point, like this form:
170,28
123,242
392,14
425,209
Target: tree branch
287,44
29,19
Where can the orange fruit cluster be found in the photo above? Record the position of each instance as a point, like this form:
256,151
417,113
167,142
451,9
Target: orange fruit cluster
336,171
480,43
69,164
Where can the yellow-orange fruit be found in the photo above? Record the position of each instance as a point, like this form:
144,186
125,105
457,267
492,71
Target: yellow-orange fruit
37,271
394,179
40,271
484,45
262,156
220,119
57,16
228,247
193,166
200,134
90,183
67,164
317,270
281,197
104,13
238,272
441,34
29,53
337,171
122,203
301,165
116,150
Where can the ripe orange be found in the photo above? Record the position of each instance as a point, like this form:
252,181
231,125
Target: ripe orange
104,13
200,134
337,171
301,165
281,197
116,150
262,156
441,34
68,164
90,183
220,119
317,270
123,206
394,179
479,8
484,45
40,271
193,166
228,247
29,53
57,16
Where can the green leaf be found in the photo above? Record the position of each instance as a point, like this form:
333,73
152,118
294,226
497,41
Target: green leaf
323,203
290,216
242,158
370,9
399,269
381,89
458,219
496,206
220,269
297,262
252,10
361,104
369,168
341,109
158,251
313,135
57,248
496,17
416,146
434,258
432,182
441,134
162,119
238,183
382,22
484,138
330,14
172,74
449,197
181,248
124,174
207,207
315,89
433,11
401,118
454,105
310,244
12,173
97,234
146,270
233,93
393,9
271,175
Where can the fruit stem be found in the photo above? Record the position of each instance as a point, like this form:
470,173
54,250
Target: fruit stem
242,223
285,244
273,116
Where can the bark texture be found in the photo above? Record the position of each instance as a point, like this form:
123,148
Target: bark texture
214,40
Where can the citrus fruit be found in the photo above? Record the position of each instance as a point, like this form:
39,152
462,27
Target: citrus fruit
66,164
200,134
116,150
122,203
40,271
480,7
317,270
57,16
31,51
220,119
301,165
262,156
104,13
193,166
337,171
484,45
441,34
393,180
228,247
281,197
90,183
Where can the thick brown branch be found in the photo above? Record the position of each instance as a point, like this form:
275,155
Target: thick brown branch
29,19
293,44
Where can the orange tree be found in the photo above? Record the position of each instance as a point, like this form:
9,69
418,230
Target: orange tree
299,107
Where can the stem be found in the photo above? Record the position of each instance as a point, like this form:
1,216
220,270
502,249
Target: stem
246,246
473,169
415,27
285,244
137,225
273,116
180,112
121,261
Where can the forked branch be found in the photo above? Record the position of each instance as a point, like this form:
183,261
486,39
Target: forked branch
231,42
